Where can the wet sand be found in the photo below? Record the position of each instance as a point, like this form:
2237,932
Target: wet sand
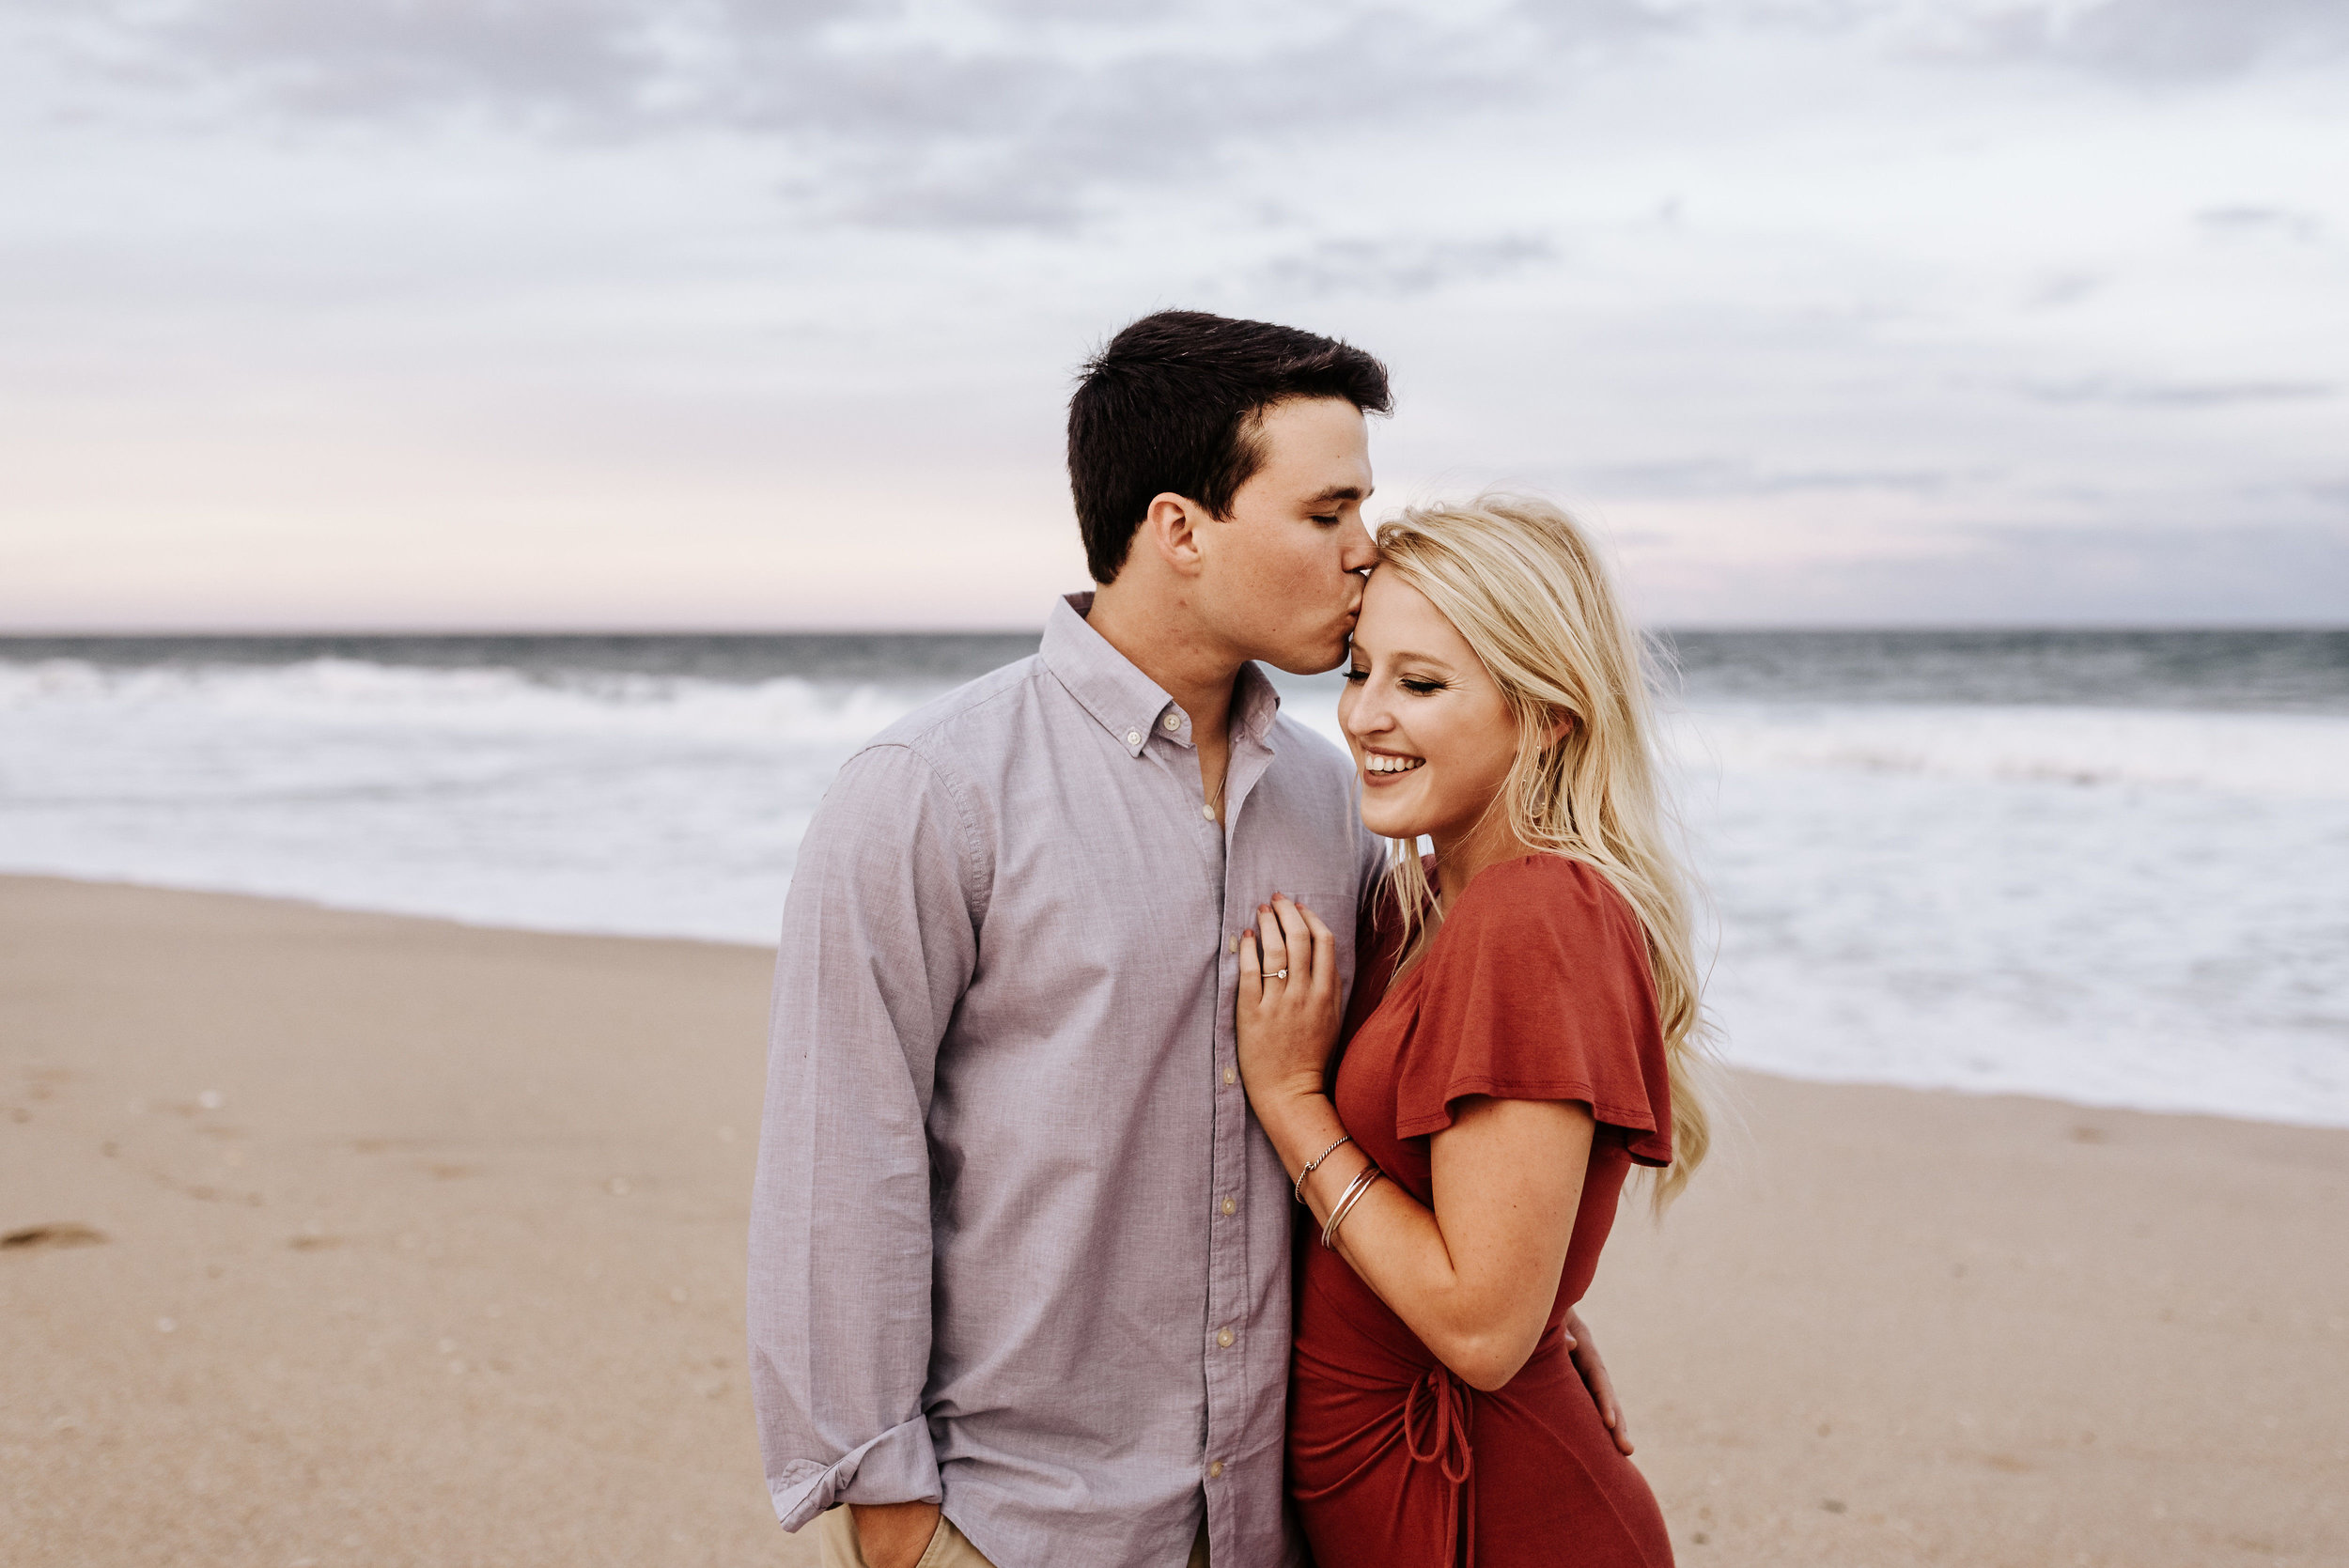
345,1239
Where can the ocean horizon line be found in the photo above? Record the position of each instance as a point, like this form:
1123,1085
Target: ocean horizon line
1709,628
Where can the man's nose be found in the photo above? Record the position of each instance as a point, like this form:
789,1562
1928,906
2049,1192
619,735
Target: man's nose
1359,553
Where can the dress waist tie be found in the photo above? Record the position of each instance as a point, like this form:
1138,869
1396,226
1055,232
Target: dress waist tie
1435,1430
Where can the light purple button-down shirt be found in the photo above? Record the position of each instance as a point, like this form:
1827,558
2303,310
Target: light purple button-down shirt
1017,1243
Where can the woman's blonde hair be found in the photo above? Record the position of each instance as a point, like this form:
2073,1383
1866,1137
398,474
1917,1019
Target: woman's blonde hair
1529,590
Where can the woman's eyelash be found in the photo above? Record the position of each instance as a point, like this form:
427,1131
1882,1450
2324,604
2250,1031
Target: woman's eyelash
1417,688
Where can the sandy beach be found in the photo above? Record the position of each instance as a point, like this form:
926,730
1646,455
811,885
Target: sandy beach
340,1238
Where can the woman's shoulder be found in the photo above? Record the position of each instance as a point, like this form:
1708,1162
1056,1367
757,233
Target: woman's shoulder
1538,988
1552,894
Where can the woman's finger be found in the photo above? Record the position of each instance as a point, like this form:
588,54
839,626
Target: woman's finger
1251,971
1325,966
1296,936
1272,943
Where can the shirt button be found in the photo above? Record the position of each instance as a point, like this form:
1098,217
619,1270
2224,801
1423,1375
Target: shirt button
1235,944
1231,1074
1208,811
1174,721
1231,1205
1215,1469
1223,1338
1133,737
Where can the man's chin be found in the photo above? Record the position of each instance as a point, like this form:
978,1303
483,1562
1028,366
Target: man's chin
1319,659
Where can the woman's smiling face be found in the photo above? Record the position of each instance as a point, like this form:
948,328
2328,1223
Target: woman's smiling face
1431,733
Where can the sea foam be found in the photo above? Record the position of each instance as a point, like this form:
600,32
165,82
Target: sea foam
2136,906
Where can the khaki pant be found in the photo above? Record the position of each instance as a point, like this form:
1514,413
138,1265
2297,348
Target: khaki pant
948,1549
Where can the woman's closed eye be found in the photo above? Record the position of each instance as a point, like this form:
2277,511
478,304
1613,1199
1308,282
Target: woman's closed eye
1415,685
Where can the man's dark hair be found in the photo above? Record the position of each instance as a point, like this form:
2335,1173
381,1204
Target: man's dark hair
1172,403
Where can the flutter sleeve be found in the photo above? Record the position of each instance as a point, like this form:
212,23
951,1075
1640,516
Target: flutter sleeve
1538,989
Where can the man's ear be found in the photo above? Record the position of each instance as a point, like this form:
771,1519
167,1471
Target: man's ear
1170,527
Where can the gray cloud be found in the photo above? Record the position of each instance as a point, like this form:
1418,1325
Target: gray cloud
2180,395
2170,39
2230,221
1728,477
567,59
1036,115
1010,128
2064,288
2026,575
1402,266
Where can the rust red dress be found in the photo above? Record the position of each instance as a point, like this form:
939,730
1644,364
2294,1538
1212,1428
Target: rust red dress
1536,988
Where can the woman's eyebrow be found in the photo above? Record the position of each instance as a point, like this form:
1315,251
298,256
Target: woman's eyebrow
1427,660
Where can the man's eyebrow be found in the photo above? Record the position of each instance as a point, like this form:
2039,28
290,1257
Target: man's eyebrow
1337,492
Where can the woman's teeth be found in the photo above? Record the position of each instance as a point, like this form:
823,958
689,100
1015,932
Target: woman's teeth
1377,763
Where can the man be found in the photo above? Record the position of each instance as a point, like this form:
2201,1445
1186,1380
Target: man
1018,1250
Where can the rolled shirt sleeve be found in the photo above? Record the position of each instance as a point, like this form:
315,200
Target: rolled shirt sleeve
878,945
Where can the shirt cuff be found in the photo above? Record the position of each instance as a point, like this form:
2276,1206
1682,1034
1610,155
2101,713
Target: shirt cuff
899,1465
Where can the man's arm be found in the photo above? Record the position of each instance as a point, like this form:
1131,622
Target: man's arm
878,944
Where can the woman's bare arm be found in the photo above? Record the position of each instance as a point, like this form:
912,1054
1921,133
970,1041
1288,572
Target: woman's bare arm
1474,1277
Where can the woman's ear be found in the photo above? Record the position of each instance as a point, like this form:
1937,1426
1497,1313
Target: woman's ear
1561,725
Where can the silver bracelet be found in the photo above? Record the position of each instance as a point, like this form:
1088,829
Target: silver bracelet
1314,1164
1362,1182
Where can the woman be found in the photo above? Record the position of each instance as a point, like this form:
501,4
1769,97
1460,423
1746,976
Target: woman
1522,1033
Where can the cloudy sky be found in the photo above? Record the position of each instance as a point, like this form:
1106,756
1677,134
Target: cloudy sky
750,313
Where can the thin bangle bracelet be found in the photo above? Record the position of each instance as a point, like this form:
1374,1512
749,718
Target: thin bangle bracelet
1314,1164
1362,1184
1353,1190
1345,1205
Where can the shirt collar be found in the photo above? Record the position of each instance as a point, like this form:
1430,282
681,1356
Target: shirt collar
1123,700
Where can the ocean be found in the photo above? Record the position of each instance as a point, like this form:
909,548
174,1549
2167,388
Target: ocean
2107,866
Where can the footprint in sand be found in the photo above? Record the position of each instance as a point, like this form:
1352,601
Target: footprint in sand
67,1235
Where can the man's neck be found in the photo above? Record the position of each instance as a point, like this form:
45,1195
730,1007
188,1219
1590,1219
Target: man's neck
1165,643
